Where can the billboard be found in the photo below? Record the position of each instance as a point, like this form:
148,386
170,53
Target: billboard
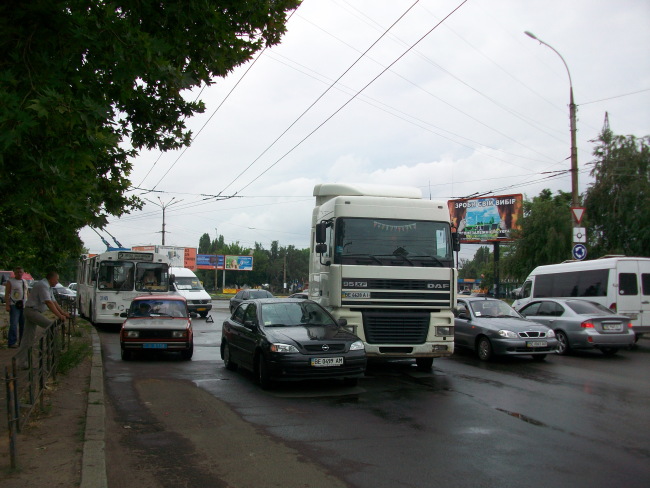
209,261
239,263
487,219
180,257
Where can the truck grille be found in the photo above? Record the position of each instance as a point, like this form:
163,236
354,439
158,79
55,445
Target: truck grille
391,293
398,327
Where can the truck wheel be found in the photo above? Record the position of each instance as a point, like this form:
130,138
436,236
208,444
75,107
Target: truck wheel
424,364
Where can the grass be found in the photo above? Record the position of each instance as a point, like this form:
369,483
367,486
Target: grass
80,348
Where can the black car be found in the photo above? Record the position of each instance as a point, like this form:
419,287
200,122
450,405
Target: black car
286,339
247,294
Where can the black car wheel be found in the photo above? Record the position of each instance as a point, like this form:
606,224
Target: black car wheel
188,353
262,372
539,357
563,347
126,355
484,349
225,355
424,364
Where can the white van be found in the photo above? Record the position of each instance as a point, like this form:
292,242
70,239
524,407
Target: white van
187,285
620,283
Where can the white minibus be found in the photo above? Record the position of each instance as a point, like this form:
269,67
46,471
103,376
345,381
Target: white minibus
620,283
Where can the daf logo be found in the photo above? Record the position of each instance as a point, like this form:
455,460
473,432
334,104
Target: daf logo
326,347
438,286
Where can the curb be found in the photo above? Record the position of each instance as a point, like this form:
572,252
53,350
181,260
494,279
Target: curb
93,462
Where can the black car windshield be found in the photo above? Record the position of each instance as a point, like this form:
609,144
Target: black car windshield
289,314
583,307
158,308
492,308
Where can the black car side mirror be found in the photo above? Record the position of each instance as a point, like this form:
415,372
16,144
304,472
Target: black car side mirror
250,324
124,314
342,322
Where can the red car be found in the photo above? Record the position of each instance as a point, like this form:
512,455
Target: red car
157,323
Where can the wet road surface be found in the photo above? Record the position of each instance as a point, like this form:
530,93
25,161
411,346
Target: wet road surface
580,420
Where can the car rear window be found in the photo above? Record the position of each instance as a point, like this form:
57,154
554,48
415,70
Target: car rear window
584,307
260,294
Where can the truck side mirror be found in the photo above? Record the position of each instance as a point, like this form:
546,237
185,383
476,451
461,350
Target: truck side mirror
455,241
321,248
321,235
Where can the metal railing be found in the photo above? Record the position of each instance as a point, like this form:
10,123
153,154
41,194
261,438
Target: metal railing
25,387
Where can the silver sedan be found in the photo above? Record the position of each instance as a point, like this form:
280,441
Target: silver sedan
491,327
581,324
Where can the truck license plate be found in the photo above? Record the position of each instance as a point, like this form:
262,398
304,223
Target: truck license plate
356,294
536,344
325,362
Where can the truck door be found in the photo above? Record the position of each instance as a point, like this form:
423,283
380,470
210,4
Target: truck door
644,271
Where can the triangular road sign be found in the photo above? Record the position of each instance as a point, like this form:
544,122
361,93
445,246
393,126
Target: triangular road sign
578,213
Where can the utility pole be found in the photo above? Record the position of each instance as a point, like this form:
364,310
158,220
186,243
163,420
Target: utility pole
164,206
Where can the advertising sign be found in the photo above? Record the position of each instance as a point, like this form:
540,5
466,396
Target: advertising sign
239,263
180,257
190,258
487,219
209,261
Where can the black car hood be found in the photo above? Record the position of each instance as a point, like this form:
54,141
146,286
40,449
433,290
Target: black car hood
304,334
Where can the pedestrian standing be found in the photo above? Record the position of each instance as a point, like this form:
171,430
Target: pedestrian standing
15,297
39,300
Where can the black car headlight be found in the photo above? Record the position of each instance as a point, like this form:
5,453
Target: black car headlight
278,347
357,346
132,334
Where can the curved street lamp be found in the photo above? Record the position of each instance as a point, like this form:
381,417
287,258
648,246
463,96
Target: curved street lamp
572,117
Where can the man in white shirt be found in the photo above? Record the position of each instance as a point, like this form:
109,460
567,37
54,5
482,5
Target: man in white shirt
39,300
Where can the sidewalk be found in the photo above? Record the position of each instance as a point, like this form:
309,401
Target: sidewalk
64,445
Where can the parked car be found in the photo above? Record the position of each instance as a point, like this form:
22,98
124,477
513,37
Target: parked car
63,293
491,327
581,324
157,323
73,286
285,339
247,294
300,295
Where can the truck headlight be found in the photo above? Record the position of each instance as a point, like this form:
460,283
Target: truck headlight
445,330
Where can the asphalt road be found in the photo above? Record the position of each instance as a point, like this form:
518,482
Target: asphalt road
575,421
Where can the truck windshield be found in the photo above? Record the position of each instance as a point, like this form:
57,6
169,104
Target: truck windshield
392,242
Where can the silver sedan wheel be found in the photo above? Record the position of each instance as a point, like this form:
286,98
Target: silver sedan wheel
484,349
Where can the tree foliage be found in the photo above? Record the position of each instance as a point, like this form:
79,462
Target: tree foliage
618,202
545,237
85,85
270,266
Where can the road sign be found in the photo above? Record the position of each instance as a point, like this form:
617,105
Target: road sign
579,252
579,235
578,213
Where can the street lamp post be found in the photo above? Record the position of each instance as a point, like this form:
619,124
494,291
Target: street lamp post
164,206
572,116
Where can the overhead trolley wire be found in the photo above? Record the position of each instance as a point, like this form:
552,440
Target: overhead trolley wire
321,96
355,95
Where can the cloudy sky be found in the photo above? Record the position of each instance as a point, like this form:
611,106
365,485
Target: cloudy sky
396,92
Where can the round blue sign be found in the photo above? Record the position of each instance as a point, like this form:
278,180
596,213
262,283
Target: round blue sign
579,251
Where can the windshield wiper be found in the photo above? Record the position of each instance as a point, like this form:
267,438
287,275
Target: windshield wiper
432,258
363,256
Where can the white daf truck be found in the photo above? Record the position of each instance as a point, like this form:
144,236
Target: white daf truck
382,259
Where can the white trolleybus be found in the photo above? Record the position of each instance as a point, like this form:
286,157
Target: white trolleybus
107,282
